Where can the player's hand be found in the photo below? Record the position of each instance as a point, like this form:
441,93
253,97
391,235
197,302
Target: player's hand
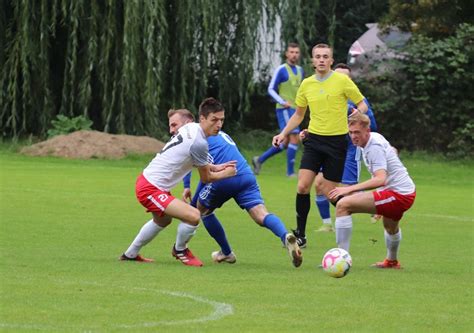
187,195
354,112
339,191
278,139
303,134
286,105
230,170
220,167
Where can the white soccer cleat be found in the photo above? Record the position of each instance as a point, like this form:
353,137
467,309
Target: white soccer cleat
326,228
293,249
219,257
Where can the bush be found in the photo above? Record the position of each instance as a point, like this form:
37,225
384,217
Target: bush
65,125
423,102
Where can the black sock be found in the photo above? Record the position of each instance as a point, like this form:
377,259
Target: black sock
303,203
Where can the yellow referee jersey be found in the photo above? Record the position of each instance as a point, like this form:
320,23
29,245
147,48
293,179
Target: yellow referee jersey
327,101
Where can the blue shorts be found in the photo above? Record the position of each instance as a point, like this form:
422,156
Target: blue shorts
352,165
242,188
283,115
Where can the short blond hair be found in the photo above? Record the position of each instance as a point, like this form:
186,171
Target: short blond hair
182,112
359,118
321,46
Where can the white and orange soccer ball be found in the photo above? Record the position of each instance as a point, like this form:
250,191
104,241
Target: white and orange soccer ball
337,262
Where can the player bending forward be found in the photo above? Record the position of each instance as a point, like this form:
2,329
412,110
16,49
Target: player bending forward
394,194
243,188
184,150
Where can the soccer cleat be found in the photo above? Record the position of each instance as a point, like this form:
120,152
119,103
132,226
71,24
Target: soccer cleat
387,264
292,175
294,251
219,257
138,258
326,228
256,165
301,240
186,257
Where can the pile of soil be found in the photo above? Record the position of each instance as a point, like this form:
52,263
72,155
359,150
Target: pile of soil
94,144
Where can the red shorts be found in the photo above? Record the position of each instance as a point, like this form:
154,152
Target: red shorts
391,204
151,197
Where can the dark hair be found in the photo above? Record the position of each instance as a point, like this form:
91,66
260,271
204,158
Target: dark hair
182,112
342,66
292,45
210,105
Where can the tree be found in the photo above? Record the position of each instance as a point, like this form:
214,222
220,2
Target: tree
433,18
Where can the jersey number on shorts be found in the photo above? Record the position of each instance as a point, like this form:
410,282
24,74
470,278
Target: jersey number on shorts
174,141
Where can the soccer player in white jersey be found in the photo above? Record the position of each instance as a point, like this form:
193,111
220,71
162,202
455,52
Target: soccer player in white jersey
394,190
184,150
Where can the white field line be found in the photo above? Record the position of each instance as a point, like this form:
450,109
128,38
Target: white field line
219,311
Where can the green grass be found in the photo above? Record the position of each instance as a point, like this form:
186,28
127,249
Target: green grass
65,222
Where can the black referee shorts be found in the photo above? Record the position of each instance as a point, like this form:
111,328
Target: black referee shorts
326,154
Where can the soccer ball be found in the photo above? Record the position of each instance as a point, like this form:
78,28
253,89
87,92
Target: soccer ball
337,262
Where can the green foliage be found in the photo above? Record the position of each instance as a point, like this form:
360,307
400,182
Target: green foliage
422,100
338,23
65,125
434,18
123,64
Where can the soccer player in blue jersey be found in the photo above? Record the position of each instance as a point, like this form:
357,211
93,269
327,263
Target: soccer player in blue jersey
243,188
352,164
283,87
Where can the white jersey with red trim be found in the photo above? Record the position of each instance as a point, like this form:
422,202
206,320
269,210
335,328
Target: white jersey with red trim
379,154
184,150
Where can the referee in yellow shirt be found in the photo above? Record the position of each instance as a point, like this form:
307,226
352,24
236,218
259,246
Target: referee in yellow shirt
326,93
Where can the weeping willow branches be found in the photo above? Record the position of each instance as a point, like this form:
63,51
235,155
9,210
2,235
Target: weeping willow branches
124,63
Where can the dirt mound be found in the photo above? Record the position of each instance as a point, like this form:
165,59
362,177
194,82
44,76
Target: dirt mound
93,144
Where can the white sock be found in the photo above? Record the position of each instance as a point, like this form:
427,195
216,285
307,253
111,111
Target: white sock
145,235
185,232
327,221
343,231
393,243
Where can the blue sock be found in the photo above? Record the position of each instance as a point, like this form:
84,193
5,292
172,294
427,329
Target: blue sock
290,158
323,206
215,229
273,223
269,153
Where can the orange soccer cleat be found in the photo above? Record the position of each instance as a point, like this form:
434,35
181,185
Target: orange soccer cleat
387,264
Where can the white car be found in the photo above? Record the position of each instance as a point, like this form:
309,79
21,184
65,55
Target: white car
375,44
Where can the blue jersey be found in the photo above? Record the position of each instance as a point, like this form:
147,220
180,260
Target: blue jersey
243,187
370,114
352,164
223,149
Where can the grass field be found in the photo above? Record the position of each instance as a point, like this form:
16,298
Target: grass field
65,222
